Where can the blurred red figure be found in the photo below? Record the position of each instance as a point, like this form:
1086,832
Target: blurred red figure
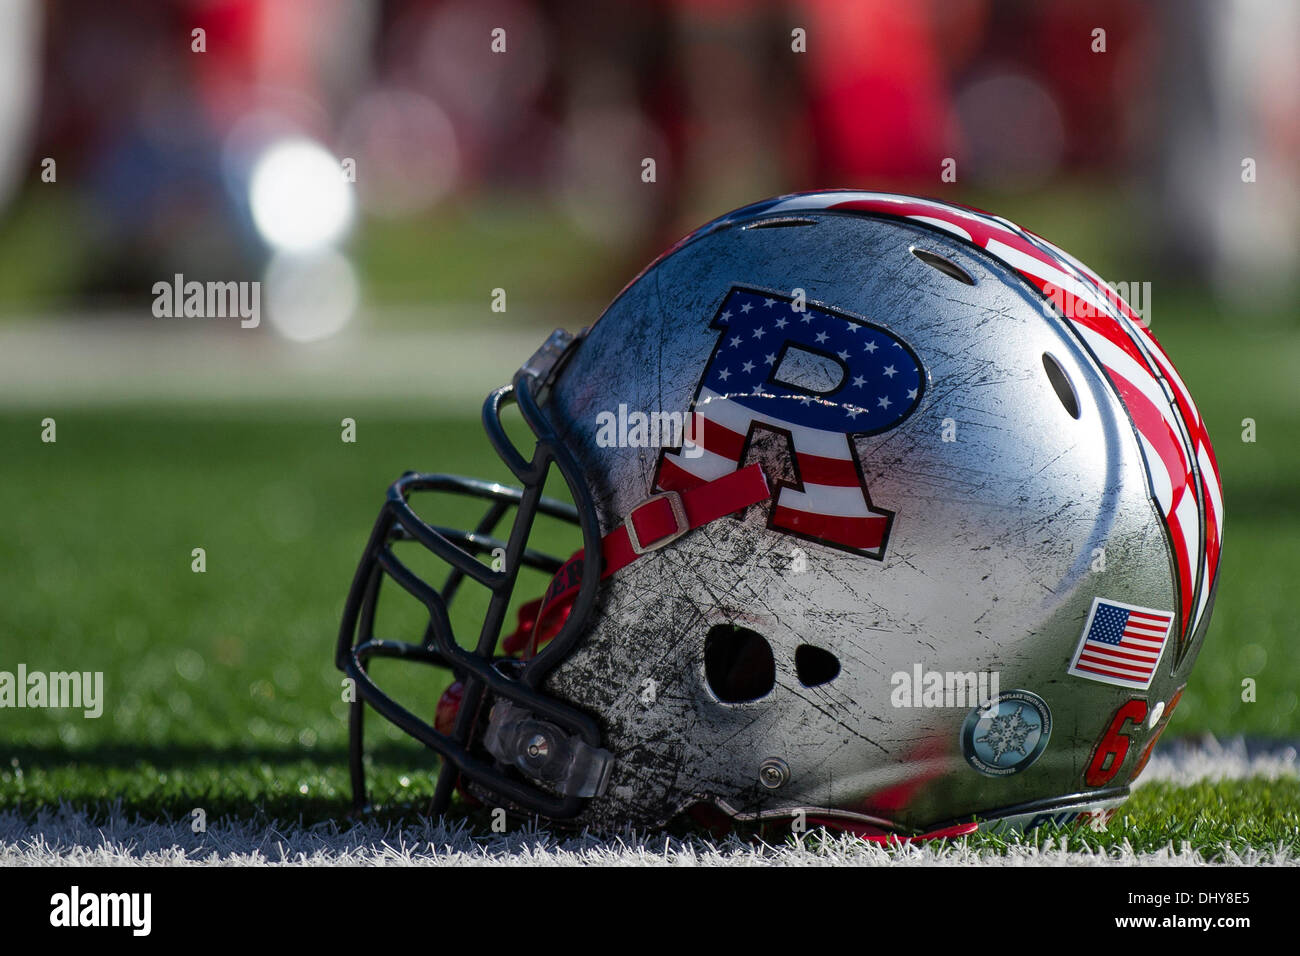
877,91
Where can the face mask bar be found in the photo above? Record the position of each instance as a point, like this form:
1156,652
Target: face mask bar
556,743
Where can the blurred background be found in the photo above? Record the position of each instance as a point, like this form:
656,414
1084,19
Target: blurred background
1118,129
383,167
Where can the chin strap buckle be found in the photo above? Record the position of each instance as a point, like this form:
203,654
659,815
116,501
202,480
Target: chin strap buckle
664,515
546,752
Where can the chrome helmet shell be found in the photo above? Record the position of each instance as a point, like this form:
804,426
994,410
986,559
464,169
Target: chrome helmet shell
936,541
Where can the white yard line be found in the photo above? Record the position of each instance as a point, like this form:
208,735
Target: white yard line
446,367
1186,762
68,839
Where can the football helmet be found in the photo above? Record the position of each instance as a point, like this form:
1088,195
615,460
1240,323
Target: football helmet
893,516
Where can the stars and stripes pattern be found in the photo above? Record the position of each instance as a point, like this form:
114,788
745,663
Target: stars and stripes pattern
1121,644
871,382
1182,471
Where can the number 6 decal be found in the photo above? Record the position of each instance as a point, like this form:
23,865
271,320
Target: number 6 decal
1113,748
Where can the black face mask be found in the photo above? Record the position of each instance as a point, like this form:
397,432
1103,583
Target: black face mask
509,738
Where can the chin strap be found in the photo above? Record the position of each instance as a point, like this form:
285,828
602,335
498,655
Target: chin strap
658,521
664,517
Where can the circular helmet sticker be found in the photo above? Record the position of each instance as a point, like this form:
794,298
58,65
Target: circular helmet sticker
1008,735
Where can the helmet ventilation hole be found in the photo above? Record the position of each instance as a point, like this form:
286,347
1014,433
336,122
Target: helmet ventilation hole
781,222
1061,384
944,265
738,664
815,666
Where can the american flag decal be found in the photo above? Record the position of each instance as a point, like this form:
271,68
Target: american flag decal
1183,475
1121,644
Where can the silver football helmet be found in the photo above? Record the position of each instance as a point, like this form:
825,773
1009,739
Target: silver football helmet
893,517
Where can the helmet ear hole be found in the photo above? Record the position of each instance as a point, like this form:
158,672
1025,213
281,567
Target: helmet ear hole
738,664
1061,384
815,665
